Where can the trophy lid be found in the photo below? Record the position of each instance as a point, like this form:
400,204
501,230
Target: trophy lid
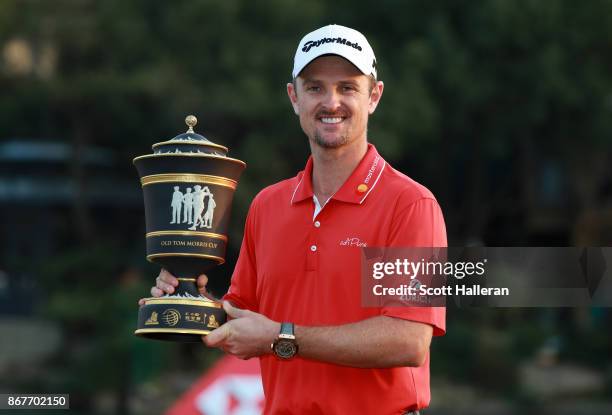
189,142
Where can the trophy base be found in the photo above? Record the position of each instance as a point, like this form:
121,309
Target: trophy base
179,319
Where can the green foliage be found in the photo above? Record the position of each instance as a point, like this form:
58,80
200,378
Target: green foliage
499,70
93,296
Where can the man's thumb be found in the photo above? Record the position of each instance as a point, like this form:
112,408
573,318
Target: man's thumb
232,311
216,336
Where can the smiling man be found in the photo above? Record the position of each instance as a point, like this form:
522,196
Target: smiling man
295,295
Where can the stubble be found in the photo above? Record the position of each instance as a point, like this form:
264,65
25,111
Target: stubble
319,140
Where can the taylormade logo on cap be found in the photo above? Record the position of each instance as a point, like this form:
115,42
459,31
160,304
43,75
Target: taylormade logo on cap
335,40
310,44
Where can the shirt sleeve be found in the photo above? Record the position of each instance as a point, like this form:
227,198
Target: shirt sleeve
243,287
420,224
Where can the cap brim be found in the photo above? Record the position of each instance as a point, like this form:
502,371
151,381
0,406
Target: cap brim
329,54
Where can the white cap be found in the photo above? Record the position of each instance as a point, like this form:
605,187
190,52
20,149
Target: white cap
335,40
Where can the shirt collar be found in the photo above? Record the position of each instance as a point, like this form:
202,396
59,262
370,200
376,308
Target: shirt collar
355,189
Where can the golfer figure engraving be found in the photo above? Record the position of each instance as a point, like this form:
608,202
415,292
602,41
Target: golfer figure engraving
203,198
208,216
177,201
188,206
198,205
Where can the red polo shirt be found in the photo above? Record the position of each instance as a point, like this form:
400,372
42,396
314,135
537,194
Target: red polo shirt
307,271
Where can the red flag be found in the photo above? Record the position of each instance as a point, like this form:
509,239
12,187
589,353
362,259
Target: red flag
231,387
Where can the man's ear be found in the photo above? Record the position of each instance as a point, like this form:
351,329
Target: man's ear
293,97
375,96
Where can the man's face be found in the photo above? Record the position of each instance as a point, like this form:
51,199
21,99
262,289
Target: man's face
333,100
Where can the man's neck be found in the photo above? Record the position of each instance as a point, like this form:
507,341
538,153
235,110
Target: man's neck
331,167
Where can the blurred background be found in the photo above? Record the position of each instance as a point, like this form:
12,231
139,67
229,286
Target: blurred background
503,108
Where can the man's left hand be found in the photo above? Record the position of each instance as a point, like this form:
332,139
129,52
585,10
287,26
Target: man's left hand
247,334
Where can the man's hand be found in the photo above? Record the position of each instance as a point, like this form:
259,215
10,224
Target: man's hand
166,283
247,334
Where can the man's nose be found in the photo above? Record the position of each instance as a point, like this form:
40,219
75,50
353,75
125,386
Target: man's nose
331,100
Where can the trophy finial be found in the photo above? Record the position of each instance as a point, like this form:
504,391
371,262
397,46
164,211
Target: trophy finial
191,121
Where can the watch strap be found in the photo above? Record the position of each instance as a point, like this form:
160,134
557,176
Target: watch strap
287,329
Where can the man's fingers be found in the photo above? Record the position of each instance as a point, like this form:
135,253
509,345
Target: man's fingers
208,295
156,292
217,336
202,281
168,278
232,311
164,286
141,302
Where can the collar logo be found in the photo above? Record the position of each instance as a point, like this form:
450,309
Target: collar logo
372,170
316,43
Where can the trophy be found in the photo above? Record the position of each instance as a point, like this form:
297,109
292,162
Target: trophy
188,185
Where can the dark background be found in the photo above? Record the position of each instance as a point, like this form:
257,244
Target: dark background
503,108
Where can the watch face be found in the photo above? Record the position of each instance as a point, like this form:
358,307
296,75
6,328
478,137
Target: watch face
285,349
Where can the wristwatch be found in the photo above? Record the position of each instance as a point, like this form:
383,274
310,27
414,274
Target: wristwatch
285,346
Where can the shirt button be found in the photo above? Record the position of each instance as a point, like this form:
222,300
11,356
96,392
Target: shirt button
313,248
317,224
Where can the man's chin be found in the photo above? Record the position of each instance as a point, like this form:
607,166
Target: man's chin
330,142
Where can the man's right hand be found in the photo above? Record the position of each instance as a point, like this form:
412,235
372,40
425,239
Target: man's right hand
166,283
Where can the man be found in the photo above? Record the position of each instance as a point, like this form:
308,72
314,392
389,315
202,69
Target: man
188,206
198,206
331,355
177,201
210,211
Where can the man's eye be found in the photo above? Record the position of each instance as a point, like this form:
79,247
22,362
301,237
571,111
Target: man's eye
313,89
348,88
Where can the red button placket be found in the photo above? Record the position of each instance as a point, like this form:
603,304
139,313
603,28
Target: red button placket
312,256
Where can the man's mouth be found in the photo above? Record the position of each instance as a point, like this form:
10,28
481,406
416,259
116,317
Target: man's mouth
331,120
